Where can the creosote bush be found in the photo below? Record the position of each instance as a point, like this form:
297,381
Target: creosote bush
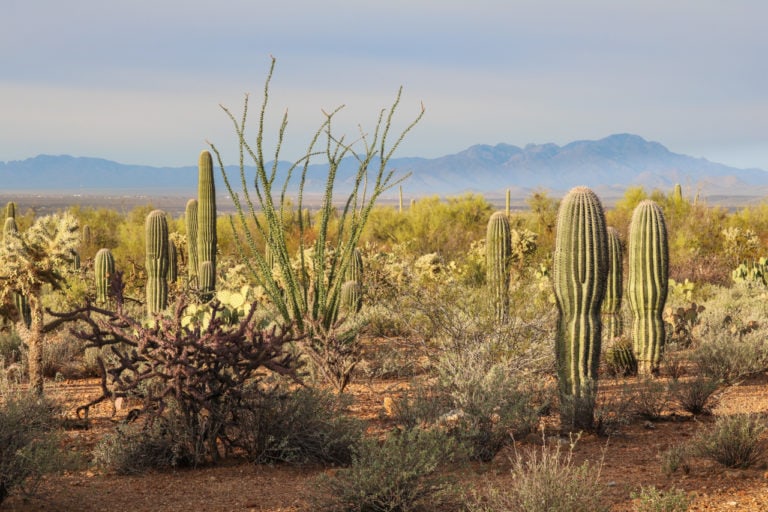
733,441
402,474
28,440
651,499
549,480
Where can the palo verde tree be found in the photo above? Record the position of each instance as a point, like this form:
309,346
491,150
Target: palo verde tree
30,261
307,293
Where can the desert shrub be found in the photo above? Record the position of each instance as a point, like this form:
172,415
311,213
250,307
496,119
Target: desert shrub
402,474
676,457
10,346
305,425
28,440
548,480
650,399
733,441
163,443
650,499
694,395
728,357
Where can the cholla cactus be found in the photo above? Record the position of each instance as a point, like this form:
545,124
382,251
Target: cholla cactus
29,261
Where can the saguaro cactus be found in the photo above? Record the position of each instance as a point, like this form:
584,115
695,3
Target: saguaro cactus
103,268
612,323
498,250
580,268
173,266
22,304
156,261
10,210
647,283
190,218
206,223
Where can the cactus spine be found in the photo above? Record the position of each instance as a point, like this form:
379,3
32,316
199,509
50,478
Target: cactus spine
103,267
647,283
156,261
190,218
498,250
612,322
580,268
206,224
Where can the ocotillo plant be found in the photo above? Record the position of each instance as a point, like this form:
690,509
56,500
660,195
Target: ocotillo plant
498,250
104,268
156,261
580,268
190,219
206,223
647,283
612,322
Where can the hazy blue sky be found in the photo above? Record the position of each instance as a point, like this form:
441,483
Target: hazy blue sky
140,81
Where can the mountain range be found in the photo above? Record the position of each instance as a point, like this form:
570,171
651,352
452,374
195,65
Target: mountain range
607,165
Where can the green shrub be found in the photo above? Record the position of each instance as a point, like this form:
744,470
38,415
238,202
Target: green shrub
650,499
650,399
676,457
306,425
402,474
729,357
28,441
733,441
694,395
549,480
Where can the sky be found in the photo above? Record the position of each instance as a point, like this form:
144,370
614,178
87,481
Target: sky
142,81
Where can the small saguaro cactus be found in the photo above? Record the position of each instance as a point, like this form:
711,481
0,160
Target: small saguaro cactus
10,210
173,266
498,250
156,261
508,203
206,224
355,269
612,322
580,268
22,304
351,298
190,219
647,283
103,268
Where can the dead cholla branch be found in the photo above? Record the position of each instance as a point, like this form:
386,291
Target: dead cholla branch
198,369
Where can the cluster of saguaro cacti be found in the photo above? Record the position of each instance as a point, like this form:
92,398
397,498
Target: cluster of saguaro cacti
580,268
156,261
498,251
103,268
206,225
647,283
612,322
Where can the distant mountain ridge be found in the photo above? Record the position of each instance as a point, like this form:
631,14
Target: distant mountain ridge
608,164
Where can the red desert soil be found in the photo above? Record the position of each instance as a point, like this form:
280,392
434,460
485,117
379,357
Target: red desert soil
630,459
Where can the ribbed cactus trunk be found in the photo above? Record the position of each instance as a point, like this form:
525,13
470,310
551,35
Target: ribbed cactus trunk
103,268
613,326
156,262
351,298
206,225
173,265
647,284
19,299
10,210
498,250
580,268
508,203
355,269
190,218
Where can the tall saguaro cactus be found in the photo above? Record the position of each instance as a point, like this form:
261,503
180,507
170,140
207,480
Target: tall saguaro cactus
156,261
498,250
580,268
103,267
647,283
612,322
190,219
206,223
